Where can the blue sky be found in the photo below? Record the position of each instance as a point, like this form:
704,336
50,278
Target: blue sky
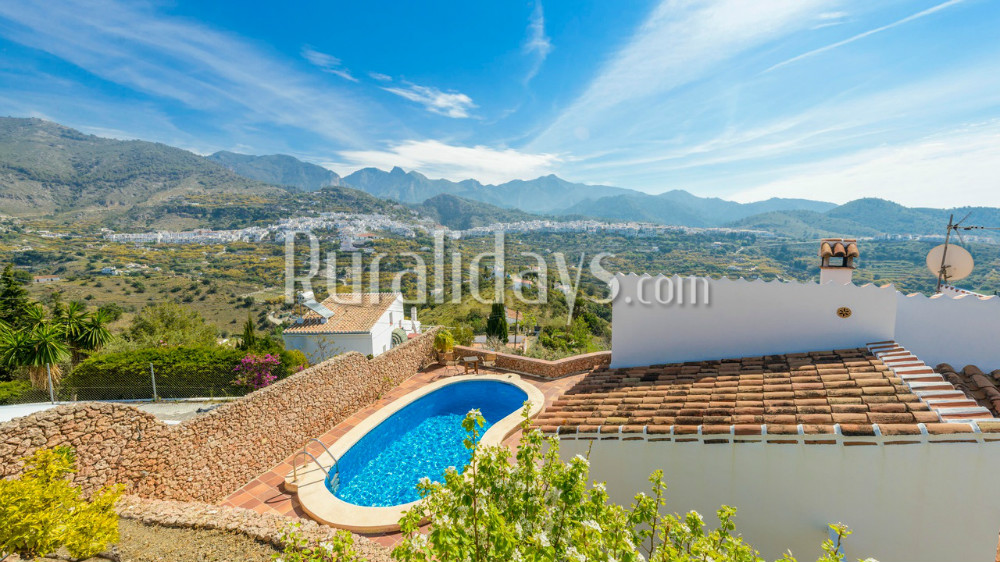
825,99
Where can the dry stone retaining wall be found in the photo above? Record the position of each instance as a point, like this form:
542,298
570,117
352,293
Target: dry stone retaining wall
541,367
266,527
206,458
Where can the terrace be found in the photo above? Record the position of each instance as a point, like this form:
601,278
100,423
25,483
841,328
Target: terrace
819,417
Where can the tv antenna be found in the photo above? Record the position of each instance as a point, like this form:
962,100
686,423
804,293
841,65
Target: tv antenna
948,261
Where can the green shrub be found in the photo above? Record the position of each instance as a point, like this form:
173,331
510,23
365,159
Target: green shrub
12,390
42,511
539,507
181,372
444,341
464,335
297,548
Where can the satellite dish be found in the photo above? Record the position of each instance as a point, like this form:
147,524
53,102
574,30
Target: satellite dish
958,262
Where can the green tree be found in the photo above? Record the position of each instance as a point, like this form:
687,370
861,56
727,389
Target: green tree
170,324
41,349
42,511
542,508
73,317
249,338
14,300
94,333
496,324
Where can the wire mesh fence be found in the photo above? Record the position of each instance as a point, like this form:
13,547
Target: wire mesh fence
149,382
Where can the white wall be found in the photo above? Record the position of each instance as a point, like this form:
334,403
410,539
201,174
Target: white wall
918,502
743,318
960,331
382,330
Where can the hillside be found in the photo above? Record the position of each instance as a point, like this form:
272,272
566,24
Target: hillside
870,217
460,214
46,169
278,169
679,207
546,194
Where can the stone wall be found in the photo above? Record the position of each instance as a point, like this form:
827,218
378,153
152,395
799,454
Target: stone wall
541,367
265,527
208,457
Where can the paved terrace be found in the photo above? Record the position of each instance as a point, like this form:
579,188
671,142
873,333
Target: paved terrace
847,396
264,494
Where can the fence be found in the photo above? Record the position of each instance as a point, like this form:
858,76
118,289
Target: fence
147,382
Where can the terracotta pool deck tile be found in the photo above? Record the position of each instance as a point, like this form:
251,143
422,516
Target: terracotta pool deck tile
264,494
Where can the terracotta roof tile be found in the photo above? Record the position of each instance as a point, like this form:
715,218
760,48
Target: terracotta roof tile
794,394
352,313
981,387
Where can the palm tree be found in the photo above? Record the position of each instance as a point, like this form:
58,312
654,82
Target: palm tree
40,349
47,349
15,348
34,314
72,317
93,333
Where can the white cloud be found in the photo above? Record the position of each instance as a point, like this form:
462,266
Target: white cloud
380,77
437,159
680,42
449,104
870,32
952,169
537,43
132,45
327,63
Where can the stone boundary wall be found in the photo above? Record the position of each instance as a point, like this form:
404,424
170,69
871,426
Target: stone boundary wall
265,527
210,456
541,367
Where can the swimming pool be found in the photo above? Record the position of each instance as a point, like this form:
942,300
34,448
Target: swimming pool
381,459
419,441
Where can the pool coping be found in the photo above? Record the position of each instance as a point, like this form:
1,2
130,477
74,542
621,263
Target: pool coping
317,501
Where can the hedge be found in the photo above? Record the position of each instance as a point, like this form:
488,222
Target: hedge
181,372
13,392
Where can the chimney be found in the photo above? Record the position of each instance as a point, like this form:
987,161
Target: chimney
837,260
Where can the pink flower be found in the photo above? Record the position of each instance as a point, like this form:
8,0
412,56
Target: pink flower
255,371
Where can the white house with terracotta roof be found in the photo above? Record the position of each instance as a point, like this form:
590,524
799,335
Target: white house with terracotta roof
362,322
801,404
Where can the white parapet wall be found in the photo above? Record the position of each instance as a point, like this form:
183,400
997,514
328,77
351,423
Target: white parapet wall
672,319
961,330
905,503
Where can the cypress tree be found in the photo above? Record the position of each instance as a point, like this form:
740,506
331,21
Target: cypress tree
13,299
496,324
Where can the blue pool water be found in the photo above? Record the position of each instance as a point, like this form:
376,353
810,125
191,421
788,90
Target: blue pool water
420,440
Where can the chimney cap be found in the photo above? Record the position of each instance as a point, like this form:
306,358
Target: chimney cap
838,248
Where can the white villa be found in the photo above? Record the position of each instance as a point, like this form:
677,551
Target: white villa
802,404
369,323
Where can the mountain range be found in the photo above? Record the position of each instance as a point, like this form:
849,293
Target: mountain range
278,169
47,169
